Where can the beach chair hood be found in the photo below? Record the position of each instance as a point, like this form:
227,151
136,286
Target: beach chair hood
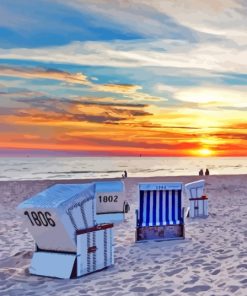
53,215
195,189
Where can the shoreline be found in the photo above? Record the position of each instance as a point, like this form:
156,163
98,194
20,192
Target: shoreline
84,180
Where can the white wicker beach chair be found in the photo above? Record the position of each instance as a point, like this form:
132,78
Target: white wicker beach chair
111,205
69,243
197,198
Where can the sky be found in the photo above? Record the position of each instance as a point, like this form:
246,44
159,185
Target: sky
123,78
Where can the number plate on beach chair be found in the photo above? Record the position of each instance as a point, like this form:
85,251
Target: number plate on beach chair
110,202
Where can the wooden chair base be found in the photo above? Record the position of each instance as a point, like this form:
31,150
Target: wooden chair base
164,232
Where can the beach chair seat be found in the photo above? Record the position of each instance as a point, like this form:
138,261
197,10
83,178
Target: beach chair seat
160,213
197,198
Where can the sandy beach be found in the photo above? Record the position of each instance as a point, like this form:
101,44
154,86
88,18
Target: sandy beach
212,260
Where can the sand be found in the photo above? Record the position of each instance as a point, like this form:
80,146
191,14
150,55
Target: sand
212,260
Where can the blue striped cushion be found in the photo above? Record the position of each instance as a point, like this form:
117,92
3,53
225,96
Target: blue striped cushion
160,207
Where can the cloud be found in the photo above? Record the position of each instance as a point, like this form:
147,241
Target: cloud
191,20
17,21
37,116
118,88
31,136
8,111
212,96
219,44
240,125
207,96
42,101
106,101
149,125
69,117
127,90
131,143
127,127
164,87
155,18
114,111
12,93
205,56
225,18
43,109
130,16
42,73
231,136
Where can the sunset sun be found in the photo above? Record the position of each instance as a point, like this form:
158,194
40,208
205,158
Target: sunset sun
205,152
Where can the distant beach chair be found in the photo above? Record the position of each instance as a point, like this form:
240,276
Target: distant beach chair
161,213
198,200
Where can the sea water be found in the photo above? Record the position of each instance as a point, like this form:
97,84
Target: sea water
102,167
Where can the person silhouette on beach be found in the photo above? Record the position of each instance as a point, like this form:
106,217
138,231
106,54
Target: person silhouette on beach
125,175
201,172
207,172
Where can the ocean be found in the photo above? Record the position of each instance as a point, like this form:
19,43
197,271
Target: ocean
103,167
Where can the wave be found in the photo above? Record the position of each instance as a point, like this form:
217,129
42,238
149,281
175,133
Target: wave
88,168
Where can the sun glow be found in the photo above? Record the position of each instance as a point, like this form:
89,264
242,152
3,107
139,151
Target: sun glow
205,152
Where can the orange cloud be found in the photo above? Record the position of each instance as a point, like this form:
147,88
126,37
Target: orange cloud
119,127
121,139
41,73
127,90
117,88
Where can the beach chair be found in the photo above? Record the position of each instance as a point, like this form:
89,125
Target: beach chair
111,205
198,200
161,214
69,243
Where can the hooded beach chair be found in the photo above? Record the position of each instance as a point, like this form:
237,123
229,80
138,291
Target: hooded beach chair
198,200
72,225
111,205
161,214
69,243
